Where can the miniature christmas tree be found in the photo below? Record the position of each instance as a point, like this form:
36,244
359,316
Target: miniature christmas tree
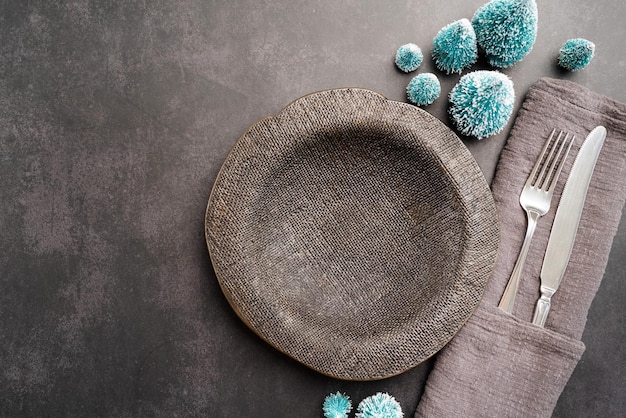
423,89
481,103
409,57
337,405
379,405
576,54
454,47
506,30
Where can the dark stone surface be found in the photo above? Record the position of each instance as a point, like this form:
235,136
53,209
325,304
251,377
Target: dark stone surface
115,117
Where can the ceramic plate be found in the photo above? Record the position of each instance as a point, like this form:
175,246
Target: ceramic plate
353,233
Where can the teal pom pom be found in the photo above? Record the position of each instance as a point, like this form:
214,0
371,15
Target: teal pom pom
506,30
409,57
576,54
454,47
482,103
381,405
337,406
423,89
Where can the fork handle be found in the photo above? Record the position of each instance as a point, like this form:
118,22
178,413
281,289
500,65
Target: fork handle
508,298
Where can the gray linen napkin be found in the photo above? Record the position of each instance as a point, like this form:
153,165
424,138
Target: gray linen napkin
500,364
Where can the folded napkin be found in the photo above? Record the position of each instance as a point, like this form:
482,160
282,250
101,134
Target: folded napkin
500,364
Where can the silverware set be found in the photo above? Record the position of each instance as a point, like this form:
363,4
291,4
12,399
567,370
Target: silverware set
536,199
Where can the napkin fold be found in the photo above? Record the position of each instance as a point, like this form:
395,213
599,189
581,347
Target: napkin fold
500,364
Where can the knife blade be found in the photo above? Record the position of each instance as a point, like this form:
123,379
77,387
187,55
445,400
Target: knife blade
566,220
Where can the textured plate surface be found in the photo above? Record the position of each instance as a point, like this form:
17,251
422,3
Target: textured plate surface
353,233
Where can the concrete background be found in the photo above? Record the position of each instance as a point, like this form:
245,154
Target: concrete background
115,117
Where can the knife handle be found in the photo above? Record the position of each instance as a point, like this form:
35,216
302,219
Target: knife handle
543,306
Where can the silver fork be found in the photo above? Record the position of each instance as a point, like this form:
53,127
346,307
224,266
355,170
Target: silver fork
535,199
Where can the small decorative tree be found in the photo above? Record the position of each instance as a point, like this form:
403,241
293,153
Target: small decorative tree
506,30
481,103
454,47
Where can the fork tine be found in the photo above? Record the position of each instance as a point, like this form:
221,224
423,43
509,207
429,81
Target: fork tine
558,170
541,178
531,176
550,175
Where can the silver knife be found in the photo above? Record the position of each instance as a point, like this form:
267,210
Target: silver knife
566,221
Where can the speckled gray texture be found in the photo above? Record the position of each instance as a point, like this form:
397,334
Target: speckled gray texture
114,119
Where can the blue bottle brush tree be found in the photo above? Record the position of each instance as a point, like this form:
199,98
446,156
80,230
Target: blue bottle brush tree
454,47
423,89
337,405
576,54
379,405
506,30
481,103
409,57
